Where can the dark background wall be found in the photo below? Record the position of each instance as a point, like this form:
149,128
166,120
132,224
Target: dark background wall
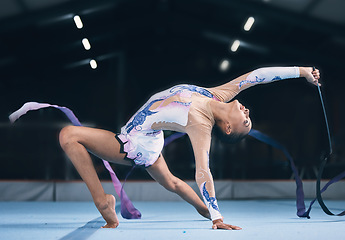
142,47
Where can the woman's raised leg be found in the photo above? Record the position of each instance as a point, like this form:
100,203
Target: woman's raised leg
76,142
160,172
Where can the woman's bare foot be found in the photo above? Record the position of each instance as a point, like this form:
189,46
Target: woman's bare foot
107,209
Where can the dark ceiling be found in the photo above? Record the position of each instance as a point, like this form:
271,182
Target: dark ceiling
142,46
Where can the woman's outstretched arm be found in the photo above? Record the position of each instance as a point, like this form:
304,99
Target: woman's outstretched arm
204,179
230,89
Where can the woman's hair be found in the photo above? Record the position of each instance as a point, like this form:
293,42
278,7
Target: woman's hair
233,137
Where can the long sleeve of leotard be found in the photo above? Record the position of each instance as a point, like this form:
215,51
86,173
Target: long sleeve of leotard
201,146
229,90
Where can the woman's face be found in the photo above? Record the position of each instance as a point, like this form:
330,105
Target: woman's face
239,118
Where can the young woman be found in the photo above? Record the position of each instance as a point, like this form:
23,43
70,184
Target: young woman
183,108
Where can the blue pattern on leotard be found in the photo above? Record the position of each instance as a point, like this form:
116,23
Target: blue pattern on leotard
276,78
191,88
140,117
187,104
210,200
257,80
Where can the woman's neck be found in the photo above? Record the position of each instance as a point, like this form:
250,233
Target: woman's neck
220,110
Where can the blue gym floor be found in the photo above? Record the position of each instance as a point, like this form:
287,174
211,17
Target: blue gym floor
260,219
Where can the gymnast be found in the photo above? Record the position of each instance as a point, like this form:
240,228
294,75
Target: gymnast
190,109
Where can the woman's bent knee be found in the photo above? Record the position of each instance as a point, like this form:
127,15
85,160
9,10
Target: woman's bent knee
173,184
67,135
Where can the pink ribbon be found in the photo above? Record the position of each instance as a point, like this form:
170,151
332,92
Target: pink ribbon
128,210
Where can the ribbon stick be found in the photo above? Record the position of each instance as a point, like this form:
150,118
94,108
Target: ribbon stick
323,164
128,210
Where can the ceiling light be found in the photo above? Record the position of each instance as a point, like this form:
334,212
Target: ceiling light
224,65
249,24
78,21
86,44
93,63
235,45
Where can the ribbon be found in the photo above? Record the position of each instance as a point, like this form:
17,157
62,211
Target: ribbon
128,210
301,210
173,137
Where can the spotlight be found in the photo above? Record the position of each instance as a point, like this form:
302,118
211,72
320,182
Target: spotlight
93,63
224,65
235,45
86,44
249,24
78,22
